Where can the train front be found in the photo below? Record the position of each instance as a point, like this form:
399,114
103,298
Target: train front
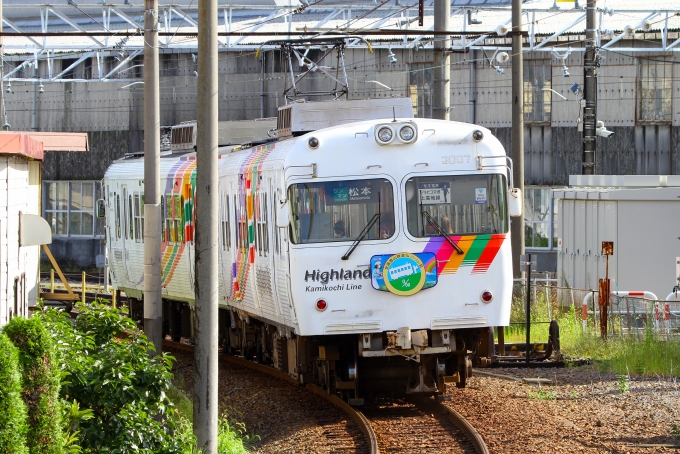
400,250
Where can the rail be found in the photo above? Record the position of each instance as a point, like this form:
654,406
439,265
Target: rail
472,434
357,416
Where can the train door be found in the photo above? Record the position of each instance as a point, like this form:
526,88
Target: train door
281,264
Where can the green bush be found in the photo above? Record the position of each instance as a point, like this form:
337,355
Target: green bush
111,373
13,426
41,382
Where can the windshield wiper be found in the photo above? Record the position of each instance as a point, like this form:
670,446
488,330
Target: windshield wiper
441,231
361,236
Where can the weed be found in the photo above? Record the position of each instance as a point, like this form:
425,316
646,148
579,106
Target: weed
643,354
675,431
542,394
623,385
573,394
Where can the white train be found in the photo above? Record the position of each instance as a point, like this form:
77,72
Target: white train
362,249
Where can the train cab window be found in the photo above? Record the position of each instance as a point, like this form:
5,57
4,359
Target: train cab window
460,204
333,211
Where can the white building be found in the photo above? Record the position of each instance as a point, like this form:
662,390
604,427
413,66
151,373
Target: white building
22,229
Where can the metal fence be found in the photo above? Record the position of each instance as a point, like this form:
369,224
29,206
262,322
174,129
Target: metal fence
635,314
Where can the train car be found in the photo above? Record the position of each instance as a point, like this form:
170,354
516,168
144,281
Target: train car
362,249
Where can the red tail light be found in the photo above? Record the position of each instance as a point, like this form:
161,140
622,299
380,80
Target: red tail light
487,296
321,305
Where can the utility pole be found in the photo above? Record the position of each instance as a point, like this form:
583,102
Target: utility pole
590,92
153,310
442,61
205,320
3,114
517,224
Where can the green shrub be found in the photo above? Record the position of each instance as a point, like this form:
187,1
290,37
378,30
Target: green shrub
41,382
13,426
111,373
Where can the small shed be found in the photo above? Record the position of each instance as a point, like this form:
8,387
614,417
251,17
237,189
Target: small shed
639,214
22,229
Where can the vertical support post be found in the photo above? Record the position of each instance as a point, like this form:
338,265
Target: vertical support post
473,86
528,294
590,91
501,341
442,60
114,303
34,122
153,311
205,314
3,113
517,224
82,288
51,276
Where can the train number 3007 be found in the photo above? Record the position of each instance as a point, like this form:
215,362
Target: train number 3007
461,159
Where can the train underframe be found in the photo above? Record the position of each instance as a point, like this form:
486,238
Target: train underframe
351,366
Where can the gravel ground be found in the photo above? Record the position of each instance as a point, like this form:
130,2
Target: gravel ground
287,418
582,411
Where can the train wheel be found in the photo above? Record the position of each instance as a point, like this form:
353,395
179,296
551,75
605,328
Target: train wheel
464,370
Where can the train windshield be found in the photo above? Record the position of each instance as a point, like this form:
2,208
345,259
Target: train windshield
457,205
333,211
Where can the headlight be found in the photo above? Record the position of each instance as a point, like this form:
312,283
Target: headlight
407,133
385,134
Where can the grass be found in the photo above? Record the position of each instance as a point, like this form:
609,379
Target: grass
641,354
542,394
231,435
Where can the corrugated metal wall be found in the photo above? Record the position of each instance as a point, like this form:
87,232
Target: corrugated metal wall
113,112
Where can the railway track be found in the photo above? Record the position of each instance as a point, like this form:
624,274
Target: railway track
417,424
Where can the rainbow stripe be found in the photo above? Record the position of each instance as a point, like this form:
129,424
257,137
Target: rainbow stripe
478,252
180,180
245,216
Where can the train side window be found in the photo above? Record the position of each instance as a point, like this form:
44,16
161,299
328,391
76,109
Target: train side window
117,197
226,234
258,223
265,225
277,245
164,237
138,207
130,220
179,217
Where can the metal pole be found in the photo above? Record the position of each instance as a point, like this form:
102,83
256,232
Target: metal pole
153,310
34,125
442,61
473,87
528,293
590,92
3,114
205,321
517,224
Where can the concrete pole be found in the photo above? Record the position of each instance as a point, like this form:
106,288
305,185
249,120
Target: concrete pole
153,310
517,224
590,92
2,73
442,61
205,320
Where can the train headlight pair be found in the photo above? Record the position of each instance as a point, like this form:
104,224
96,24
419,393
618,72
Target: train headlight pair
405,132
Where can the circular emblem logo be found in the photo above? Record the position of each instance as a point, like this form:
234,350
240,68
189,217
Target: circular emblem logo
404,274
